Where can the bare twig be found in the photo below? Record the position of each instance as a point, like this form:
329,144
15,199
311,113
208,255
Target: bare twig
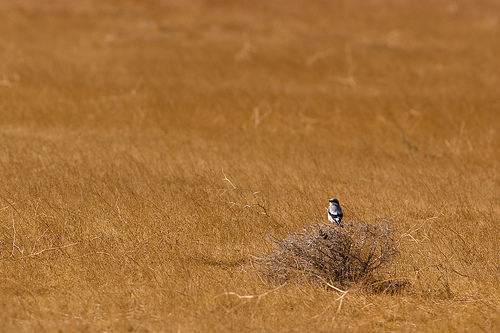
99,252
340,298
263,208
318,56
11,205
14,246
39,237
52,249
258,116
332,286
348,80
258,297
227,179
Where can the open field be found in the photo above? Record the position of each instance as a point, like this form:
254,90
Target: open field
150,149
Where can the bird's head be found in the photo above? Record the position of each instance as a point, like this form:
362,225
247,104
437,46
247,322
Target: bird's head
333,200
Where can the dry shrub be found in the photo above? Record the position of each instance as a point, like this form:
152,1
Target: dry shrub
360,253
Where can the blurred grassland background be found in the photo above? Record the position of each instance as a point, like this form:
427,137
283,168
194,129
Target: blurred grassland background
148,149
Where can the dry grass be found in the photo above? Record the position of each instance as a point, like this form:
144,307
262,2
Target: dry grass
149,149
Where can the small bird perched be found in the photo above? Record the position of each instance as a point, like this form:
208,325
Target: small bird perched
335,212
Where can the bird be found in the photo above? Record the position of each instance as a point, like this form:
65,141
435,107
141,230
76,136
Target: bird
335,212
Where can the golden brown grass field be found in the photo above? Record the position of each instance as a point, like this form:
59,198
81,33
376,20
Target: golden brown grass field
150,149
